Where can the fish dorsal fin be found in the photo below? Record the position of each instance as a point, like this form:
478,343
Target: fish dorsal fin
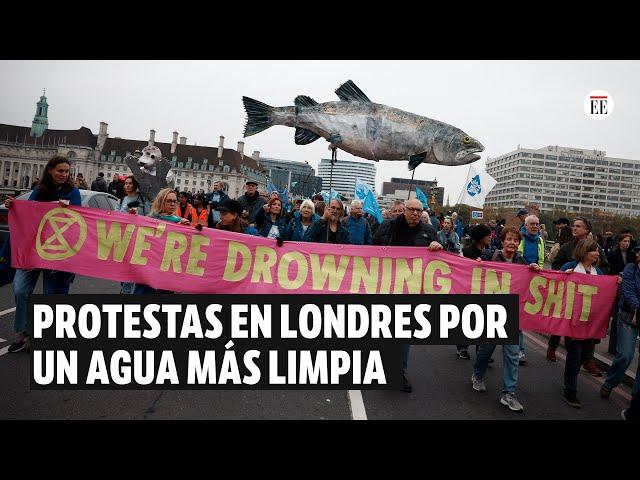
305,137
349,92
304,101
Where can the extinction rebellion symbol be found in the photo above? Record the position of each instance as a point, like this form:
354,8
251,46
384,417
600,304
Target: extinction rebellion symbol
473,187
61,234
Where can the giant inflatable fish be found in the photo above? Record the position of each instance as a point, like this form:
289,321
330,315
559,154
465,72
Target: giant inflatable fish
366,129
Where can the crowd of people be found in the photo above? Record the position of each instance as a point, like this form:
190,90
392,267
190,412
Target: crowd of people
404,224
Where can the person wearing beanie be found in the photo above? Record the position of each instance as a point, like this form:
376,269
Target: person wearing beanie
480,241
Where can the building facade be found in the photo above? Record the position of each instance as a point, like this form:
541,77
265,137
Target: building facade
398,189
300,176
566,178
25,151
345,174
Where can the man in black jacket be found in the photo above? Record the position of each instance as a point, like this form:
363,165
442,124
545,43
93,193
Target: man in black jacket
581,228
116,187
99,184
407,230
251,201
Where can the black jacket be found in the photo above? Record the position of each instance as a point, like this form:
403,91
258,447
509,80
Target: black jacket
565,255
317,232
387,233
616,264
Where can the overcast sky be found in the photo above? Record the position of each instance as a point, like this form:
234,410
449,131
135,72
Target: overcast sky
501,103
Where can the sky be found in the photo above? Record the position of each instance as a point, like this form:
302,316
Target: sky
502,104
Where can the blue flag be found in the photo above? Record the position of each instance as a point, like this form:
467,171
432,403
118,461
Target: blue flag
368,199
422,197
325,195
282,194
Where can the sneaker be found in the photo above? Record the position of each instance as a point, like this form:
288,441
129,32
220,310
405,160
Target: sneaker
592,368
406,384
510,400
522,358
572,399
464,354
605,391
19,345
478,385
551,354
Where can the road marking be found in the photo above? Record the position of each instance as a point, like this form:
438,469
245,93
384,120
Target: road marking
356,403
4,350
8,310
593,380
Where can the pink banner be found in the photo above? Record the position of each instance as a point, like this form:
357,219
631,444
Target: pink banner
123,247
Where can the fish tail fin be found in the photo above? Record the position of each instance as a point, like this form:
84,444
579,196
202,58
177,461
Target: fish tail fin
259,116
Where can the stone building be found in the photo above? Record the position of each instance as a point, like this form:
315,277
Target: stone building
24,152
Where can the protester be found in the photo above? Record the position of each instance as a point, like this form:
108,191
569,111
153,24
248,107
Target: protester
328,228
448,238
320,208
407,231
522,214
115,187
510,239
359,230
587,258
99,184
543,232
272,223
457,225
373,223
184,207
216,199
397,208
581,229
231,218
58,187
621,256
627,331
563,235
301,221
251,201
532,249
36,181
163,208
132,198
480,240
199,212
80,182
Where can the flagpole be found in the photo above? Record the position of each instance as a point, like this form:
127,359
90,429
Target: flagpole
411,183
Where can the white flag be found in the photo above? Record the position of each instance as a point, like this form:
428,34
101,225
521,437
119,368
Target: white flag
476,188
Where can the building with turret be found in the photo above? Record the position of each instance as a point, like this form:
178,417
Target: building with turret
25,151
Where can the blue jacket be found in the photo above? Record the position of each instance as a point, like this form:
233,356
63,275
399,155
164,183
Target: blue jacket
266,226
72,195
630,298
451,242
459,228
294,231
359,231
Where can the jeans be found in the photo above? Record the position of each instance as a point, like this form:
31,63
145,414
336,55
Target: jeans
577,354
625,349
405,357
142,289
24,283
509,361
521,340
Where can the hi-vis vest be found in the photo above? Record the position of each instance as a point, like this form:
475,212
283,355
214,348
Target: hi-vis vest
540,250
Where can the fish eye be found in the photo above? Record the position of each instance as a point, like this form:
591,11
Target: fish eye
466,139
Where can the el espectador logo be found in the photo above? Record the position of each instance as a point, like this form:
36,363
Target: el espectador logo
55,245
598,105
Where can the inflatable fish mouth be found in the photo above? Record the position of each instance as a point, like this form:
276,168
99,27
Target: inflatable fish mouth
468,156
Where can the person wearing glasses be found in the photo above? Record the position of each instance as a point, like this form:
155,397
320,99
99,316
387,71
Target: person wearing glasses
406,230
532,250
329,229
163,208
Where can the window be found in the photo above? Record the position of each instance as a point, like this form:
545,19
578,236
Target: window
551,157
537,155
527,155
178,181
113,153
